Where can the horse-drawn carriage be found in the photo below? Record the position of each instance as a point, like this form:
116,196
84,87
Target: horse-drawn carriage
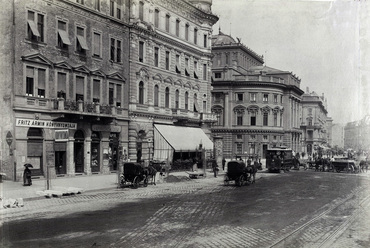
278,159
240,173
346,165
133,174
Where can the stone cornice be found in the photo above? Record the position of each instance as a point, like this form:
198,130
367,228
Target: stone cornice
238,47
240,130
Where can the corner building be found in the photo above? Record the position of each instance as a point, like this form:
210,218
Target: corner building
66,86
170,77
256,107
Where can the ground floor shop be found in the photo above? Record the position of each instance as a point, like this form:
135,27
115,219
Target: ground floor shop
68,148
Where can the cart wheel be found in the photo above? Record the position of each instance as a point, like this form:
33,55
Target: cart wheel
145,182
135,182
226,180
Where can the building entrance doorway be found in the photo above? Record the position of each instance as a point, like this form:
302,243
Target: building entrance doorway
95,151
79,151
60,162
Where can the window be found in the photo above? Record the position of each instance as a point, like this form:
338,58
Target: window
96,90
177,99
253,97
156,95
119,95
239,118
275,119
35,27
186,31
265,119
204,106
80,86
205,40
156,18
167,98
167,23
111,8
275,98
227,59
156,56
167,60
97,44
35,81
196,106
141,51
239,148
115,94
253,137
239,136
239,97
265,98
141,11
97,5
115,50
310,110
177,28
265,137
63,39
111,94
252,148
253,119
187,67
274,137
81,45
141,92
178,68
218,75
61,85
195,69
204,71
186,100
195,36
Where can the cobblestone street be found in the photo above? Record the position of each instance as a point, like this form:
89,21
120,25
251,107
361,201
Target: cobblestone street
296,209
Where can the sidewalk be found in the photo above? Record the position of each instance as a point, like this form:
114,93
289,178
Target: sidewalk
15,190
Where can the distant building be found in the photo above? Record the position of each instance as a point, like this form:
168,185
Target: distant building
314,122
256,107
65,86
357,135
337,135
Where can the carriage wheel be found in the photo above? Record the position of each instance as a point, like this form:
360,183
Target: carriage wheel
239,182
122,182
135,182
146,182
226,180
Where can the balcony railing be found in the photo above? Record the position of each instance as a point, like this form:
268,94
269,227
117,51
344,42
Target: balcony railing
81,106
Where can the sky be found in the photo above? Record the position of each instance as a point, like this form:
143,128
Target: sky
325,43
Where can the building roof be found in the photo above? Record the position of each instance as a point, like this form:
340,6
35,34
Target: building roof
222,39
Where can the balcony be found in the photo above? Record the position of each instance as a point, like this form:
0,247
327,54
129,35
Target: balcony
81,107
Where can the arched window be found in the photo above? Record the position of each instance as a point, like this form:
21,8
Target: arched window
196,106
156,95
177,98
167,98
186,100
141,92
141,11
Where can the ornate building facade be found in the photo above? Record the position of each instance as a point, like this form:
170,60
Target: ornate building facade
170,79
257,107
315,123
357,135
65,86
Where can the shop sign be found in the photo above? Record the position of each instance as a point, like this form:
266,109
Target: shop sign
44,124
61,135
106,128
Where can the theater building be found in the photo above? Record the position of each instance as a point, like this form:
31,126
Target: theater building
65,86
170,78
256,107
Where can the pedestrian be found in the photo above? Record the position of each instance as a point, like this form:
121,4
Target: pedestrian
215,168
223,164
27,177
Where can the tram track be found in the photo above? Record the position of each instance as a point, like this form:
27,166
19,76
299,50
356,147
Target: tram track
283,241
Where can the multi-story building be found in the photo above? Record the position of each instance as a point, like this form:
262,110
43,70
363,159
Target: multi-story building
170,80
257,107
314,122
357,135
64,86
337,135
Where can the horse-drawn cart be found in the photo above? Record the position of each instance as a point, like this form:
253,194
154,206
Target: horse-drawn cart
237,171
344,165
133,175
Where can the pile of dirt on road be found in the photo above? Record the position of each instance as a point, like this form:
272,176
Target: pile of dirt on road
176,179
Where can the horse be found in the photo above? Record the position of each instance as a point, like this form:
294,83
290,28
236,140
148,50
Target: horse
363,166
150,172
252,169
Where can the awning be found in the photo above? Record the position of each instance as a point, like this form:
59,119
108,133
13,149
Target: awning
182,138
33,27
64,36
82,42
